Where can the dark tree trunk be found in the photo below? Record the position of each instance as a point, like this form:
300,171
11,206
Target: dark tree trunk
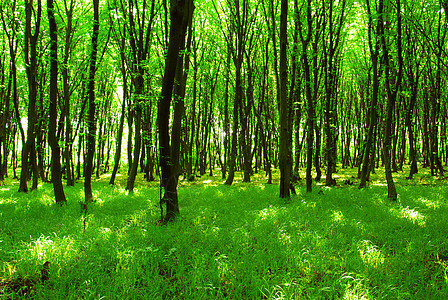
140,44
241,24
181,12
285,113
392,92
331,52
226,118
317,133
91,123
31,72
179,87
413,80
4,117
56,174
191,139
372,115
309,96
245,114
297,94
66,87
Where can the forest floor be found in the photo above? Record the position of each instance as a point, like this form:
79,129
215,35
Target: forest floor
237,242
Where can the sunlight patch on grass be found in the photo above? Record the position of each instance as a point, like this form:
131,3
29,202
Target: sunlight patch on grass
40,246
337,216
46,199
269,213
370,254
379,183
411,214
237,242
429,203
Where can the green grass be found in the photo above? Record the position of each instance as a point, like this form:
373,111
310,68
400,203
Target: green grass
238,242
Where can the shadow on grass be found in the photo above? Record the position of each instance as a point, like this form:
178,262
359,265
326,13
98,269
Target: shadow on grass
231,242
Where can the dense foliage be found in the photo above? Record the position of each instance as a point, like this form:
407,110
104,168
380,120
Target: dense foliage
354,84
173,91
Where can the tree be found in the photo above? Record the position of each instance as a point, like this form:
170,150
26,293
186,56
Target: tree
392,87
91,122
372,115
139,38
30,50
285,161
180,13
56,174
239,29
332,66
305,37
10,29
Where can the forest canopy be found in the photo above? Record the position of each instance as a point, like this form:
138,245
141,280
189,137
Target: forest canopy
178,89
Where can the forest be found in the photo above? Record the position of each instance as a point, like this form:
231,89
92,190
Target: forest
243,149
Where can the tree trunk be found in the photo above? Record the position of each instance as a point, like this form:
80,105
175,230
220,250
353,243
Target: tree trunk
372,117
309,96
56,174
331,84
392,92
226,117
31,72
284,114
140,45
91,124
181,12
66,89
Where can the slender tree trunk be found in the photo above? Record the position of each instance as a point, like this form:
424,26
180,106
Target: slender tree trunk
285,116
56,174
31,72
140,45
179,87
91,124
331,83
66,88
181,12
369,143
309,96
245,117
391,95
226,117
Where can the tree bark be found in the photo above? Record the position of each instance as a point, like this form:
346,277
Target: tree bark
181,11
140,44
372,117
91,123
309,96
392,92
31,72
285,116
66,89
56,174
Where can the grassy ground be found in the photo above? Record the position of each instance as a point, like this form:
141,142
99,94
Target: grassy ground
238,242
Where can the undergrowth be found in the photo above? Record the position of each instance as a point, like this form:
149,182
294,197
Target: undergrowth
237,242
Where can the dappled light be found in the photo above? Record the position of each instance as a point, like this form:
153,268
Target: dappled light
370,254
412,215
229,241
211,149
